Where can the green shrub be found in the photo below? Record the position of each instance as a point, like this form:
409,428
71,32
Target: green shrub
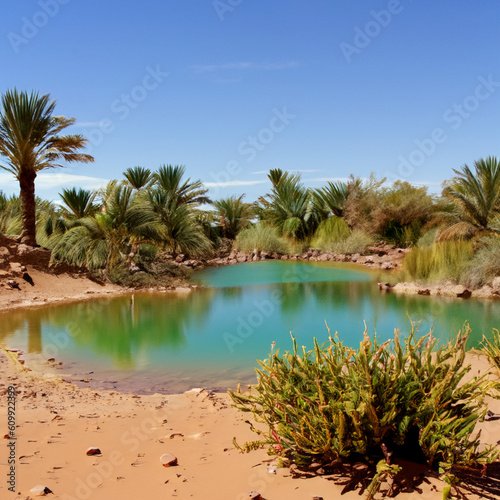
356,242
262,237
444,260
492,348
428,238
485,265
330,232
401,398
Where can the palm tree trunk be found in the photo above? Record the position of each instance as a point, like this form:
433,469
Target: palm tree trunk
27,185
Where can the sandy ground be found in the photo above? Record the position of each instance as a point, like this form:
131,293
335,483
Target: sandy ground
53,288
56,422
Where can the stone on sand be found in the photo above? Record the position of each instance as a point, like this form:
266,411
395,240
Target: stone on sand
168,460
40,490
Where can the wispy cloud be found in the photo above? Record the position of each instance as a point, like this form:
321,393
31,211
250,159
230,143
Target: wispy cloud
47,181
246,66
233,183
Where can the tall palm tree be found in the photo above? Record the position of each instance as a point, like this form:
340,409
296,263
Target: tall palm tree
138,177
476,196
234,215
30,142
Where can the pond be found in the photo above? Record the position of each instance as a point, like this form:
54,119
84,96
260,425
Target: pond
213,336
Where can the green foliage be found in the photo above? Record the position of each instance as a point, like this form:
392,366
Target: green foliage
401,212
401,398
485,265
262,237
428,238
492,349
444,260
288,207
11,222
329,233
78,203
233,215
138,177
30,141
476,196
331,199
356,242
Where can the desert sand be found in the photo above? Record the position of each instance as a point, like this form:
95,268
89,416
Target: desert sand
56,422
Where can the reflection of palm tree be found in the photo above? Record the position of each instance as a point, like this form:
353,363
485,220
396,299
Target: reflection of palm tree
34,334
122,328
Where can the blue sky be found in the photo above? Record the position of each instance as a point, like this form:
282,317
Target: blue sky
233,88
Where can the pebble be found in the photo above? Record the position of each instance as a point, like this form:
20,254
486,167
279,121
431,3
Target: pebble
93,451
254,495
168,460
40,490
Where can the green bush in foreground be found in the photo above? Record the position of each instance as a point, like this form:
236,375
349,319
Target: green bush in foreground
402,398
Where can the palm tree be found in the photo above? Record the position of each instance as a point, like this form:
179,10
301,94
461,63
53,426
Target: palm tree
331,199
169,179
78,203
234,215
289,208
138,177
476,197
105,238
174,223
29,141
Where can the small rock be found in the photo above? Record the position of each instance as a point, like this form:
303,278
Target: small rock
272,469
28,278
424,292
466,294
385,287
13,284
254,495
40,490
93,451
173,435
168,460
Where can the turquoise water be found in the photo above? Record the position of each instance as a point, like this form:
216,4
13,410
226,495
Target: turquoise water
212,337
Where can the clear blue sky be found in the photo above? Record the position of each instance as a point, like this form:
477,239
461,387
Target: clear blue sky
232,88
